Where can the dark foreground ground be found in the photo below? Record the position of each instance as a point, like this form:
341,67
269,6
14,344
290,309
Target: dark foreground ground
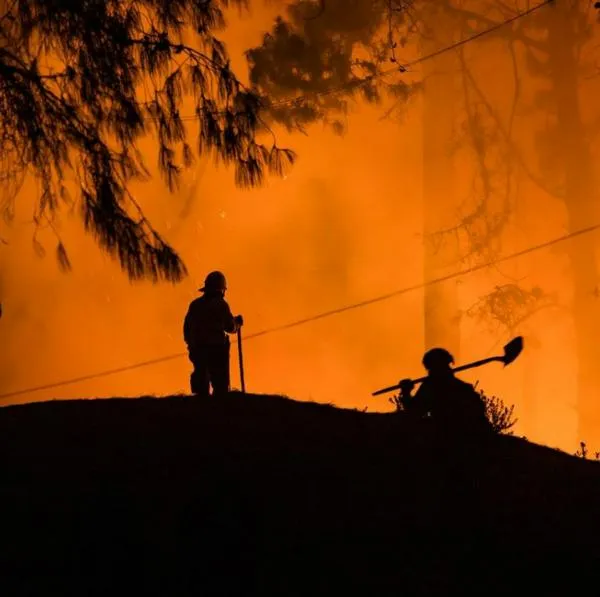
261,495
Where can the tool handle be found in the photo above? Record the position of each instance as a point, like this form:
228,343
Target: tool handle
455,370
241,358
478,363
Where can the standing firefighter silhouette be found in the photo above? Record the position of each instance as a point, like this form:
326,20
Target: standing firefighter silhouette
205,330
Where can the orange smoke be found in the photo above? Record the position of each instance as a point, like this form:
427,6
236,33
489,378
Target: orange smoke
344,226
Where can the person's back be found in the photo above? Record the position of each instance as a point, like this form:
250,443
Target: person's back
449,401
208,321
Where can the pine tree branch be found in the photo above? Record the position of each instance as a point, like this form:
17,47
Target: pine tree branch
122,65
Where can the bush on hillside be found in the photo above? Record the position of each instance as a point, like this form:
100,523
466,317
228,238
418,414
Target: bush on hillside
500,416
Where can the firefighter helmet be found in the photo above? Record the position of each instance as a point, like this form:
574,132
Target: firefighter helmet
436,359
215,281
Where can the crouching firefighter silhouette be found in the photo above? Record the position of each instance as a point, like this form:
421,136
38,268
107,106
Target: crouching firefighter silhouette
447,400
205,330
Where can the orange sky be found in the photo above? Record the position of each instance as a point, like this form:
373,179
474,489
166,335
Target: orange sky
344,226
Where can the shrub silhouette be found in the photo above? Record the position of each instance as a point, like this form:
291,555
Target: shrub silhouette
500,416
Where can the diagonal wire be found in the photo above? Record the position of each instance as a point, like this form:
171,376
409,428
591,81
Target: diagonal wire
319,316
402,68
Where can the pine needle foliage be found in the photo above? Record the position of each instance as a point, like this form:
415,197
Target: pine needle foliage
82,81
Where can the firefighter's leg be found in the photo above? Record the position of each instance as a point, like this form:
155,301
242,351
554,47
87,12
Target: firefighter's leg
219,370
199,378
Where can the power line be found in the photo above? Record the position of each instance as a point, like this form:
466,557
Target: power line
407,65
290,101
317,317
402,67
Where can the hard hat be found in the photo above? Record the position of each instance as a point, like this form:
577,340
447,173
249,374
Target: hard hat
437,358
215,281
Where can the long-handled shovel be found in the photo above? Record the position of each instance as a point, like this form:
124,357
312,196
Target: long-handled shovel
241,358
511,351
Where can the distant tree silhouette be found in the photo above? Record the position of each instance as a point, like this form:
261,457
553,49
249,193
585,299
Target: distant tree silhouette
82,82
323,54
566,159
552,44
555,46
330,60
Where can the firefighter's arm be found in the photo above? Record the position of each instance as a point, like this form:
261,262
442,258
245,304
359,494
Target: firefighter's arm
232,324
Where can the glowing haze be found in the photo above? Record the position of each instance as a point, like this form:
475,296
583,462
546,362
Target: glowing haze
344,226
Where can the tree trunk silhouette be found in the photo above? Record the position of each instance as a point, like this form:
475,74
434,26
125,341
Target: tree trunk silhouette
582,210
441,314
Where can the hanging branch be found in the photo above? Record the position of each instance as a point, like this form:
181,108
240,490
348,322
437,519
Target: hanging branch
81,83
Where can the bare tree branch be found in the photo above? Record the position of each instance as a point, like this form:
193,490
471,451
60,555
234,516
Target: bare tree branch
517,153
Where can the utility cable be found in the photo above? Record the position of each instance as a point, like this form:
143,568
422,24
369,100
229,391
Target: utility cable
319,316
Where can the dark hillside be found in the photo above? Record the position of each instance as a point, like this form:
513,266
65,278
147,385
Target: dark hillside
260,495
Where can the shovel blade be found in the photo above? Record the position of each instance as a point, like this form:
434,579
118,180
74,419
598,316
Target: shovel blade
512,350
